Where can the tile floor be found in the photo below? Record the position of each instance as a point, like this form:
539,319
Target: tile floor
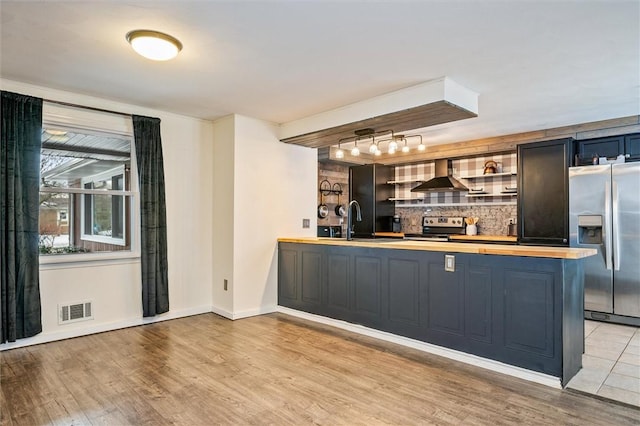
611,362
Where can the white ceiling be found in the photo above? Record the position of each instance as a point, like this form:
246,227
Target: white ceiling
536,64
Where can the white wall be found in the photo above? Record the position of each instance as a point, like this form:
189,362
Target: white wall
114,287
222,214
232,189
273,188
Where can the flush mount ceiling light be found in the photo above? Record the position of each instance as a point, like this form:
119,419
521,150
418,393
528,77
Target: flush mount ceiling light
154,45
53,132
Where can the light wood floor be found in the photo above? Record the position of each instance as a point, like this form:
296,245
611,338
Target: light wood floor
271,369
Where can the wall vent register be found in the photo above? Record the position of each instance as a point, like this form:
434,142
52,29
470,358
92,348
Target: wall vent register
74,312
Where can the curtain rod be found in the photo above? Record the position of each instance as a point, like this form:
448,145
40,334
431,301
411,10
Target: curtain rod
69,104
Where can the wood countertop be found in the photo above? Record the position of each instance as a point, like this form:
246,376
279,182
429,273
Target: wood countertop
390,234
497,238
452,247
493,238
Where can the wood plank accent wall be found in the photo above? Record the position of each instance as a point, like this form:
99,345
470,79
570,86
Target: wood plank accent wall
505,143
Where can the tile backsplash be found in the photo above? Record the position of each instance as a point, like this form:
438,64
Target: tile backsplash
492,219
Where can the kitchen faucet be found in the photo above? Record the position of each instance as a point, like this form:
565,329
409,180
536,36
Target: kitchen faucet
349,220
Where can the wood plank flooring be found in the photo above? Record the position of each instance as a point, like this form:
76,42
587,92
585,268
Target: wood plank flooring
270,369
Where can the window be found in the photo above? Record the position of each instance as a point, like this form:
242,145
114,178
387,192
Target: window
103,215
86,198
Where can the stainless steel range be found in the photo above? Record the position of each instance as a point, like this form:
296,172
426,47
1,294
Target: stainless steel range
439,228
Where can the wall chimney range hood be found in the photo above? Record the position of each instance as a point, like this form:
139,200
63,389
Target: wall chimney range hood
442,182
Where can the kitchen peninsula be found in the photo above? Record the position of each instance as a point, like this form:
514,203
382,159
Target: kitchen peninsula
519,305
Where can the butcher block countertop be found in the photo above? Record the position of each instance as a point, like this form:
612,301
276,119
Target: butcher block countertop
492,238
451,247
496,238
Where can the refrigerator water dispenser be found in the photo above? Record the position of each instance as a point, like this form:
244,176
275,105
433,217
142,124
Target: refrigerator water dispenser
589,229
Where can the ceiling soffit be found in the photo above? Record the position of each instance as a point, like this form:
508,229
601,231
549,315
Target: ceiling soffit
434,102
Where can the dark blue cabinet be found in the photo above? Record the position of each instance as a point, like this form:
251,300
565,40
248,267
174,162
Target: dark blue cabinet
521,311
288,276
543,192
632,147
610,147
338,277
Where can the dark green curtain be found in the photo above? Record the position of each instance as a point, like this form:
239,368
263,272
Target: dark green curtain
21,136
153,231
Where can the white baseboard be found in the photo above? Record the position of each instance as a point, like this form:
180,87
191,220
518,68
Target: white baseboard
100,328
477,361
222,312
116,325
244,314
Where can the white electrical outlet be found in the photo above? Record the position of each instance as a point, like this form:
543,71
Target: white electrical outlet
511,221
449,263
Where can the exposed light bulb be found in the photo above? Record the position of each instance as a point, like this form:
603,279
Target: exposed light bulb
393,145
355,151
377,153
405,148
373,148
421,147
391,150
339,153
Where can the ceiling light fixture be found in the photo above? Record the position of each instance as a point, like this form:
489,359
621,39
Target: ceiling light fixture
405,148
355,151
154,45
53,132
374,147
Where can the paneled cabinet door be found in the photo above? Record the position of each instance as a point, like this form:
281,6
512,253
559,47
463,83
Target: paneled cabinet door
445,314
367,288
602,147
338,276
311,270
529,311
288,282
478,298
404,292
543,192
632,146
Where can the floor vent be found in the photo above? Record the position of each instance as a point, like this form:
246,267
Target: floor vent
74,312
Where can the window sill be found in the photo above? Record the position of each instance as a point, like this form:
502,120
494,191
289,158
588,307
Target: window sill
82,260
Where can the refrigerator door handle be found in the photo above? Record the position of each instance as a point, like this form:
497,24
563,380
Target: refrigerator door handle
607,224
616,227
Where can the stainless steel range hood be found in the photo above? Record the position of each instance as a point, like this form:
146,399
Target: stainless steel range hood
442,182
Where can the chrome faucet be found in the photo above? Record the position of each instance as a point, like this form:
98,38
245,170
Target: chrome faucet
350,221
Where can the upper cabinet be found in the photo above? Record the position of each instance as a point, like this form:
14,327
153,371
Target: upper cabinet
611,147
632,146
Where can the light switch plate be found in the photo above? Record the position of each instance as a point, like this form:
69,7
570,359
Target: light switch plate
306,223
449,263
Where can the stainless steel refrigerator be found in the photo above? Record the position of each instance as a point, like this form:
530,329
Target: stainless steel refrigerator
604,213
